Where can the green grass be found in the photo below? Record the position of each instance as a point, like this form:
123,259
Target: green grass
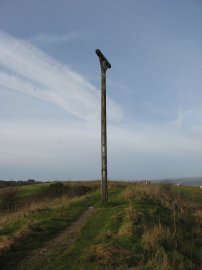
191,193
141,227
45,224
11,228
31,190
107,217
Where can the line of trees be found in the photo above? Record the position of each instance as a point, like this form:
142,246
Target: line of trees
8,183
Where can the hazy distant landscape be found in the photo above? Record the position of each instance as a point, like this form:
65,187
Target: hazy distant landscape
194,181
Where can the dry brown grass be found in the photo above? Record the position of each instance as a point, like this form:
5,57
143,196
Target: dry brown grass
149,189
7,216
198,214
165,196
142,191
5,242
129,194
159,261
133,215
126,229
155,237
105,235
108,255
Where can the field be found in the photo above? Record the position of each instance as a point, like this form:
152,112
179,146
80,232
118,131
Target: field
64,226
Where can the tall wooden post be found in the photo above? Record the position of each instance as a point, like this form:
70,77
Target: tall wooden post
104,64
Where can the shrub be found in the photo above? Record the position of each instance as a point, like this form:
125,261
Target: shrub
59,189
166,189
9,199
54,190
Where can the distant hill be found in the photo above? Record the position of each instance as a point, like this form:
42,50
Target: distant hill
192,181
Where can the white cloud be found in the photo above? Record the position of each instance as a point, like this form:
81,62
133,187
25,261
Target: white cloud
181,118
63,38
60,149
29,70
49,149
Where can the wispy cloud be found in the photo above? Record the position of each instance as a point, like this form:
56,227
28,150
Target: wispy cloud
25,68
181,117
138,152
63,38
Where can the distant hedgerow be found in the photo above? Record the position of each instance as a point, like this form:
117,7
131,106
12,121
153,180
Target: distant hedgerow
9,199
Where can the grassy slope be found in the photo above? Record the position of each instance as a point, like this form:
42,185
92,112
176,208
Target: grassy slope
135,230
115,237
102,219
191,193
39,223
31,190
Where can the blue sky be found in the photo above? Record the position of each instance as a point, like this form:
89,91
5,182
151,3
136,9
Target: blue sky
50,88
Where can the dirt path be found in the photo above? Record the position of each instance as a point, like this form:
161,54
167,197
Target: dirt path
64,240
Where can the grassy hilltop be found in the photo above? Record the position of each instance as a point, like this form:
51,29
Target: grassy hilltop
64,226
